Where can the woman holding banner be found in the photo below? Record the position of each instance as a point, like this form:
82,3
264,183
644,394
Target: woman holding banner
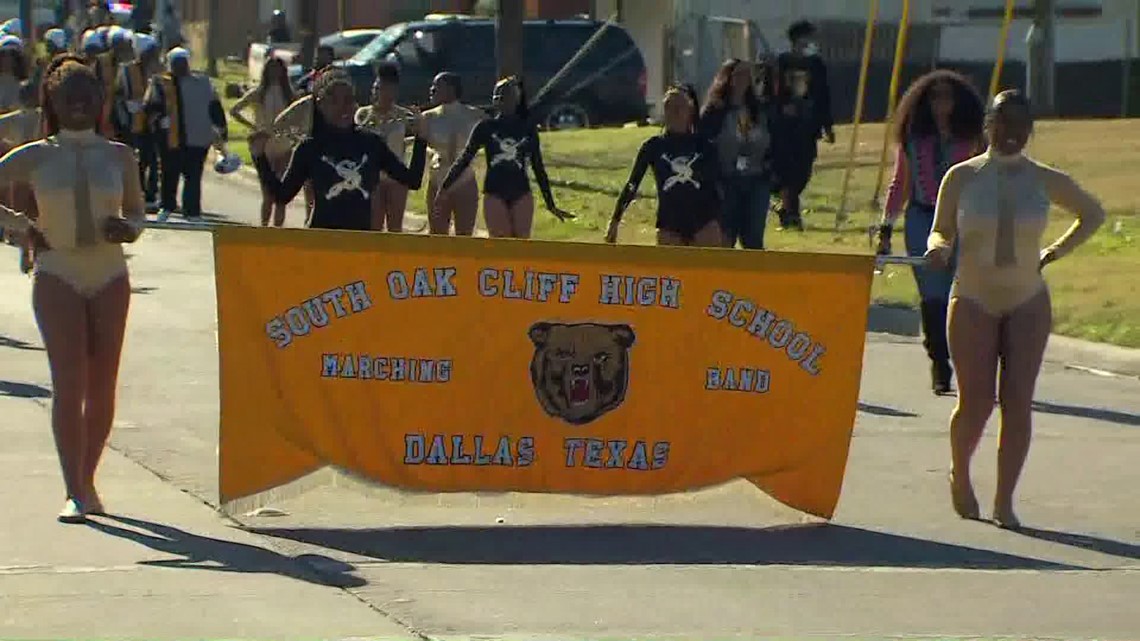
995,206
685,167
938,124
510,140
82,182
343,161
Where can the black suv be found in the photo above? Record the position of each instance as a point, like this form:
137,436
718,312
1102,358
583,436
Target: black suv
606,86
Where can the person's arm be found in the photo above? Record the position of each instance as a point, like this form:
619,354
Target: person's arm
296,175
294,116
134,203
944,231
1070,196
539,169
239,106
14,167
822,90
154,102
475,142
898,191
218,115
629,191
411,175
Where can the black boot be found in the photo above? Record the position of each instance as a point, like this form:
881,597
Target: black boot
937,347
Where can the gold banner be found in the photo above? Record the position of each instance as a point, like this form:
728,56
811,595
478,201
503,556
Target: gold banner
456,364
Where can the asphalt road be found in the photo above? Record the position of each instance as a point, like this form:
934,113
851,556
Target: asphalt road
726,562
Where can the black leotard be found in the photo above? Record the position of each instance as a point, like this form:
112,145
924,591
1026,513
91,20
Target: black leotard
686,170
509,142
344,167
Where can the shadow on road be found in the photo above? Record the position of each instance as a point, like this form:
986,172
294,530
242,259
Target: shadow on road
218,555
824,544
23,390
1108,416
882,410
1083,541
15,343
900,321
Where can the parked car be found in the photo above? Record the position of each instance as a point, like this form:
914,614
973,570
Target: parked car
348,43
345,44
606,86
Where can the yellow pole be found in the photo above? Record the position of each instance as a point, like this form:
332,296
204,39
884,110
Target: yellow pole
999,62
868,36
892,97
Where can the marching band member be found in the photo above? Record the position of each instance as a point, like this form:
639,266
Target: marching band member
13,71
450,123
686,170
509,140
90,203
937,125
390,121
272,95
343,161
189,118
995,207
130,114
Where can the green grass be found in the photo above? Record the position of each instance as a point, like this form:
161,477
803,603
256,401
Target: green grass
1096,291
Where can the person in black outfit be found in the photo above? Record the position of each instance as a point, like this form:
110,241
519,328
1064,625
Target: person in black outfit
803,66
685,167
794,135
509,139
342,161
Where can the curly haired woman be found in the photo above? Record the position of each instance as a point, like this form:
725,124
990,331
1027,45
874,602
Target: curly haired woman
937,125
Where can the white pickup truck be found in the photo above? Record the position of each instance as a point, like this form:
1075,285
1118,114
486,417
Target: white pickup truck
345,44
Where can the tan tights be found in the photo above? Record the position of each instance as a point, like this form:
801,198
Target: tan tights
981,345
462,205
508,221
84,340
389,202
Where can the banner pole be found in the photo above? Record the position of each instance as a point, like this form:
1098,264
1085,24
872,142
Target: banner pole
868,37
999,62
892,98
150,224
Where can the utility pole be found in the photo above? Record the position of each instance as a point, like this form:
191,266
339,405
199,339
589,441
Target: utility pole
26,20
1042,58
212,37
308,32
342,14
509,37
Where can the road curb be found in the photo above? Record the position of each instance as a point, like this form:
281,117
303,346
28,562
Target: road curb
1099,357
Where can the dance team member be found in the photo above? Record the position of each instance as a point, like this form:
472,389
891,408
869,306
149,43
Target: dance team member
185,109
450,123
292,126
342,161
509,140
737,121
130,115
996,207
81,293
388,120
17,128
937,125
268,99
685,166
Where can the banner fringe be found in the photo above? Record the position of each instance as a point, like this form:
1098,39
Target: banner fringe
270,499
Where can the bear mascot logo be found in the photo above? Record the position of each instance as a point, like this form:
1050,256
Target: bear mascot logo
580,371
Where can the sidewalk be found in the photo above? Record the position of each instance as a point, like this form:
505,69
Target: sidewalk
165,566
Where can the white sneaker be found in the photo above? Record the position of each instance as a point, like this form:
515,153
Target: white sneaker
163,215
